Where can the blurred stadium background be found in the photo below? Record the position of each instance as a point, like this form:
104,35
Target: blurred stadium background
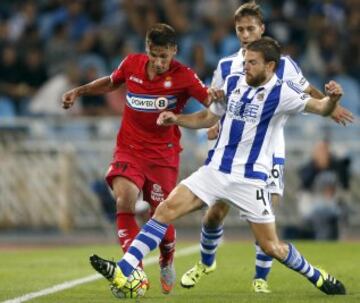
53,162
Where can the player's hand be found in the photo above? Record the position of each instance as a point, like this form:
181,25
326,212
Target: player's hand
213,132
342,116
68,99
334,90
216,95
166,118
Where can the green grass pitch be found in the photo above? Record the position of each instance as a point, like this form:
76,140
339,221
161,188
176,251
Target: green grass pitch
29,270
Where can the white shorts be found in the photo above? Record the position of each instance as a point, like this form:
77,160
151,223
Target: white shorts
276,180
211,185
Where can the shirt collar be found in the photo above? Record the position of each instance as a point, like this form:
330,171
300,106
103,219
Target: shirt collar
241,53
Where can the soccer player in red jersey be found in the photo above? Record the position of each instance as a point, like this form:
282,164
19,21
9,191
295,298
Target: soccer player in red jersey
146,156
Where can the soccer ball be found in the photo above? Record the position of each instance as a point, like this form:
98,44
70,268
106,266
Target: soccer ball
135,287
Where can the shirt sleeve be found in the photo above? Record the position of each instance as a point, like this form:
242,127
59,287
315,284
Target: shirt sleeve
293,99
218,108
293,73
217,80
197,88
118,75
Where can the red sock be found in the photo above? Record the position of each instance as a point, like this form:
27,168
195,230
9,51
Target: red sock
127,229
167,247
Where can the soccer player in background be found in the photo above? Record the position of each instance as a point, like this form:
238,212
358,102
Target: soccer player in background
249,27
236,170
146,156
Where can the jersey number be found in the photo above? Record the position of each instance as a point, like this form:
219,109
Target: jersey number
275,173
260,196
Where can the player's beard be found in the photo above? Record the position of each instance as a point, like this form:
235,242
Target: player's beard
159,70
255,80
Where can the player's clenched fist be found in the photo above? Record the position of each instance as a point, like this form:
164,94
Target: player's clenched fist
166,118
333,90
68,99
216,95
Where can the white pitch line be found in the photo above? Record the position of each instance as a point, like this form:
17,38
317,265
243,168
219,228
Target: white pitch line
70,284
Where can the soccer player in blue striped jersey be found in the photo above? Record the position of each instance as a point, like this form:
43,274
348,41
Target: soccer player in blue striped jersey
249,26
236,170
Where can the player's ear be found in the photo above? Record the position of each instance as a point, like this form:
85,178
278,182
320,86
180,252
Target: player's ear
271,66
147,46
262,29
175,49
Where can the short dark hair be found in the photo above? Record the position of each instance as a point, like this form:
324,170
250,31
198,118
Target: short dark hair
249,9
268,47
161,34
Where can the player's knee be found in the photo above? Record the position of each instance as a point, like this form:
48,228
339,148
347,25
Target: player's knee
272,249
216,215
124,205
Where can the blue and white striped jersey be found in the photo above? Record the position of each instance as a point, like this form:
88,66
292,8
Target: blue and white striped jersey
287,70
249,119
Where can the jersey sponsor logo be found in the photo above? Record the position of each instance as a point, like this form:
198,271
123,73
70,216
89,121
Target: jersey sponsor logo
136,79
250,112
157,193
150,103
161,103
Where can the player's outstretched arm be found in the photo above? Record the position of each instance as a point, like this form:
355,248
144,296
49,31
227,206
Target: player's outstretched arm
96,87
326,105
201,119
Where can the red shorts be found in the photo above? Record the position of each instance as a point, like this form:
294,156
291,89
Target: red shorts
154,180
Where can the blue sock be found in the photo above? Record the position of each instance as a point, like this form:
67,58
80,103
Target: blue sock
263,263
147,240
209,241
297,262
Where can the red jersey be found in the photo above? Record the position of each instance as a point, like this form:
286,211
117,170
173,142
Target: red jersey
146,98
